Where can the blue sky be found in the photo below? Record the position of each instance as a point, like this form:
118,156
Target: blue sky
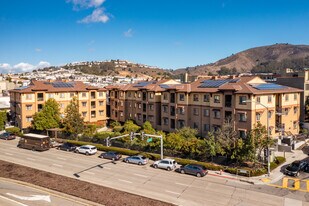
166,33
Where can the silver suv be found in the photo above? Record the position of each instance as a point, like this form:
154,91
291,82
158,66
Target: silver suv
168,164
86,149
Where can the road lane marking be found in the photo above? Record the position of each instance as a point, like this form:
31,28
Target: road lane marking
56,165
125,181
61,158
175,193
28,158
178,183
32,197
8,154
91,173
16,202
140,175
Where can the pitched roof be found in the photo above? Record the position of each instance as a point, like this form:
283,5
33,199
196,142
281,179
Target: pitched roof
56,86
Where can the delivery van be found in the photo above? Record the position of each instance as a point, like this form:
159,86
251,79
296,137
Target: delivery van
34,142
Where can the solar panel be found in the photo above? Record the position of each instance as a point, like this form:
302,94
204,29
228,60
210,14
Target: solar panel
21,88
143,84
268,86
213,83
63,84
164,86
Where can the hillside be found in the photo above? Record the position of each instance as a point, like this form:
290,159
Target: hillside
116,68
260,59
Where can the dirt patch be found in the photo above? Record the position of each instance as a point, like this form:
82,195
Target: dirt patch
92,192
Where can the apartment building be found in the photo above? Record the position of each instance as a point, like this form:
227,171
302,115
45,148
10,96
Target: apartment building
207,104
26,101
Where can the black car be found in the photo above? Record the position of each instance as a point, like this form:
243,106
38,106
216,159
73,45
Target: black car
110,155
7,136
295,167
67,147
197,170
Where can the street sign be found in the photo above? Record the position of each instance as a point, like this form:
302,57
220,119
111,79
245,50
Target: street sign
149,139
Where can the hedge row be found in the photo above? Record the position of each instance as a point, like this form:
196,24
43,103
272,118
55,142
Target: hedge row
253,172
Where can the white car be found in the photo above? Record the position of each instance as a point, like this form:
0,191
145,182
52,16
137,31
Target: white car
86,149
168,164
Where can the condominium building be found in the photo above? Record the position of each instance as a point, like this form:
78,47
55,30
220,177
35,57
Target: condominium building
207,104
26,101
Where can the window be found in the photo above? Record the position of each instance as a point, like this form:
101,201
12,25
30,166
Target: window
295,97
121,103
165,96
50,95
242,134
84,104
286,111
93,115
195,97
181,110
165,121
216,128
195,125
151,107
217,99
129,94
295,124
206,127
84,114
121,94
101,112
165,108
206,97
40,96
217,114
62,95
269,99
195,111
139,105
139,95
151,118
151,95
258,99
295,110
287,97
29,118
269,114
242,117
101,103
28,96
100,94
258,116
84,94
242,100
29,107
181,97
71,94
139,117
206,112
121,114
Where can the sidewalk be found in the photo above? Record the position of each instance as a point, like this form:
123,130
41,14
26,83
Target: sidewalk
275,174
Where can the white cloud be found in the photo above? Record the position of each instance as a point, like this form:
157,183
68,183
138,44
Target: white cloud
38,49
97,16
128,33
85,4
22,67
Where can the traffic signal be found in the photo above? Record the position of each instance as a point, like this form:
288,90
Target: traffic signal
142,134
131,135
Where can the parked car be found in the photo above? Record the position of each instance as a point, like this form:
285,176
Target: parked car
54,144
7,136
140,160
197,170
67,147
111,155
295,167
168,164
86,149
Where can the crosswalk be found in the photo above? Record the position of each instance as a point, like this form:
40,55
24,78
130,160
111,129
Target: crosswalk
295,184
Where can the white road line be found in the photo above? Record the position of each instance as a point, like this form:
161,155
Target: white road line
175,193
28,158
56,165
18,203
91,173
140,175
178,183
125,181
61,158
8,154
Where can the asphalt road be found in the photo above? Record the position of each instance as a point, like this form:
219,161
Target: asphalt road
12,193
154,183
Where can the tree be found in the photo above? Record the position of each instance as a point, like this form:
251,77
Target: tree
73,122
129,126
227,138
3,119
148,129
211,147
48,117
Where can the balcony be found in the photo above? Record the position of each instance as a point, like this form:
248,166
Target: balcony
228,104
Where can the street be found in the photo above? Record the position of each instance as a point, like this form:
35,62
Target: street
154,183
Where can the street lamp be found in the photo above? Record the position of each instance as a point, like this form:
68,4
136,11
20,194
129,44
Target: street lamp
268,154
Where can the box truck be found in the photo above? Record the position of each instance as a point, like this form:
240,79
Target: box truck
34,142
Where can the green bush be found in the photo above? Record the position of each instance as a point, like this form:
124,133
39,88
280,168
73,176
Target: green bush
209,166
14,130
280,160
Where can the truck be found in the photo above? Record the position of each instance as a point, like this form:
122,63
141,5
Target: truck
35,142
